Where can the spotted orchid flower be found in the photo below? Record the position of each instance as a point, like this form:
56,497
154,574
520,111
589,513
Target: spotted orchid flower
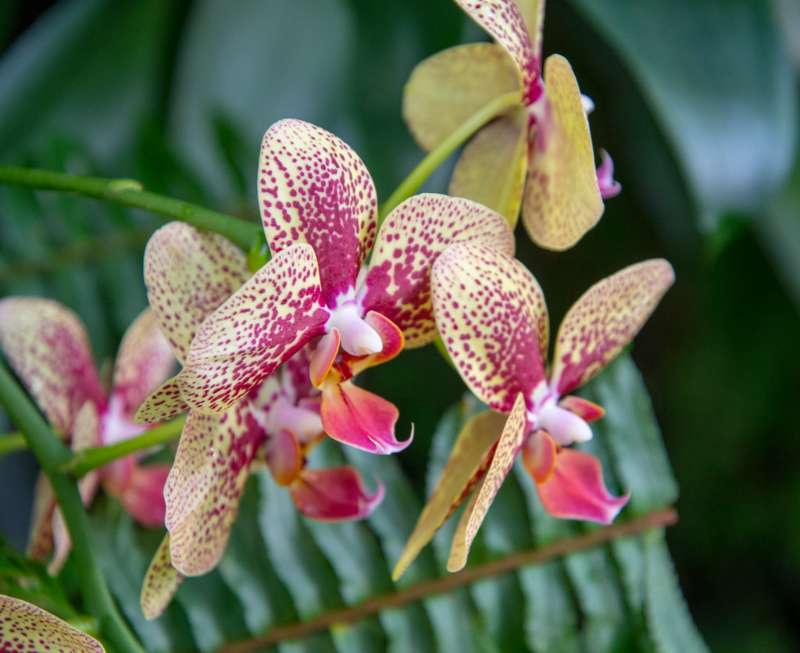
493,319
538,155
26,628
188,275
319,211
47,346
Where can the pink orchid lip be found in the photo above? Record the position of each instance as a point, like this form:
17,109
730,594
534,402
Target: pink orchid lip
609,187
334,494
115,425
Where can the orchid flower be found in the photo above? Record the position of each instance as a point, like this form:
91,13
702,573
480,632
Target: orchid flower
493,320
47,346
26,628
319,211
189,274
539,155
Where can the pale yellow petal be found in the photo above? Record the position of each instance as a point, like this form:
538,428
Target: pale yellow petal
160,582
467,461
502,461
562,198
448,87
492,167
533,13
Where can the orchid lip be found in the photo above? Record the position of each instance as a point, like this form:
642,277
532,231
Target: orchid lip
115,426
564,426
358,337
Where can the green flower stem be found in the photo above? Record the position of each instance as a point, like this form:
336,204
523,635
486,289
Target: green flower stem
439,155
11,442
129,192
93,457
52,454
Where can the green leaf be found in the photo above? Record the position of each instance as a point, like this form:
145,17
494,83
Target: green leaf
721,86
670,622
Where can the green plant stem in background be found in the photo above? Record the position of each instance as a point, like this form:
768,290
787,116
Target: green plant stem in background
93,457
11,442
441,152
52,454
129,192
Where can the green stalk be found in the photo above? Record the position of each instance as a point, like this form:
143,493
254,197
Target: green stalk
11,442
52,454
439,155
93,457
129,192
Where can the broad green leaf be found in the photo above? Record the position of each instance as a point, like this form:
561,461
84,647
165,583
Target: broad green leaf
670,622
721,86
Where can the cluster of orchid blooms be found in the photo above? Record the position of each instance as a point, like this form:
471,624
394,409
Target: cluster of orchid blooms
269,359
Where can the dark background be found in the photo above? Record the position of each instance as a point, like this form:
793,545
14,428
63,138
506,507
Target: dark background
696,101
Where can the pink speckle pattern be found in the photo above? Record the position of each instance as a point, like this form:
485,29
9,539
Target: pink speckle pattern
274,314
410,239
160,583
313,188
47,346
143,361
504,22
605,319
25,628
493,320
165,403
188,274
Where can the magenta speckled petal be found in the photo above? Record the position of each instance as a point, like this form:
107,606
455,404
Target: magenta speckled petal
335,494
268,319
160,583
605,319
188,274
47,346
205,484
165,403
493,320
575,489
143,362
413,235
503,20
25,628
313,188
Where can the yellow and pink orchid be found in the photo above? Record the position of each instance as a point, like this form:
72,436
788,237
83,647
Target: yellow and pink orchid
319,211
493,320
26,628
538,155
189,274
48,348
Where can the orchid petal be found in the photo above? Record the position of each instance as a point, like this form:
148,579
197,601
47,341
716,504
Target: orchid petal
268,319
206,482
587,410
493,320
164,404
160,583
47,346
335,494
468,461
324,355
575,488
533,13
313,188
40,540
503,20
284,457
143,495
605,319
506,451
392,343
491,169
562,199
450,86
296,376
413,235
85,434
25,628
361,419
189,274
539,456
144,361
62,544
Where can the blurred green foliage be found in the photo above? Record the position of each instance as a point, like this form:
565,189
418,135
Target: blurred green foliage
696,101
